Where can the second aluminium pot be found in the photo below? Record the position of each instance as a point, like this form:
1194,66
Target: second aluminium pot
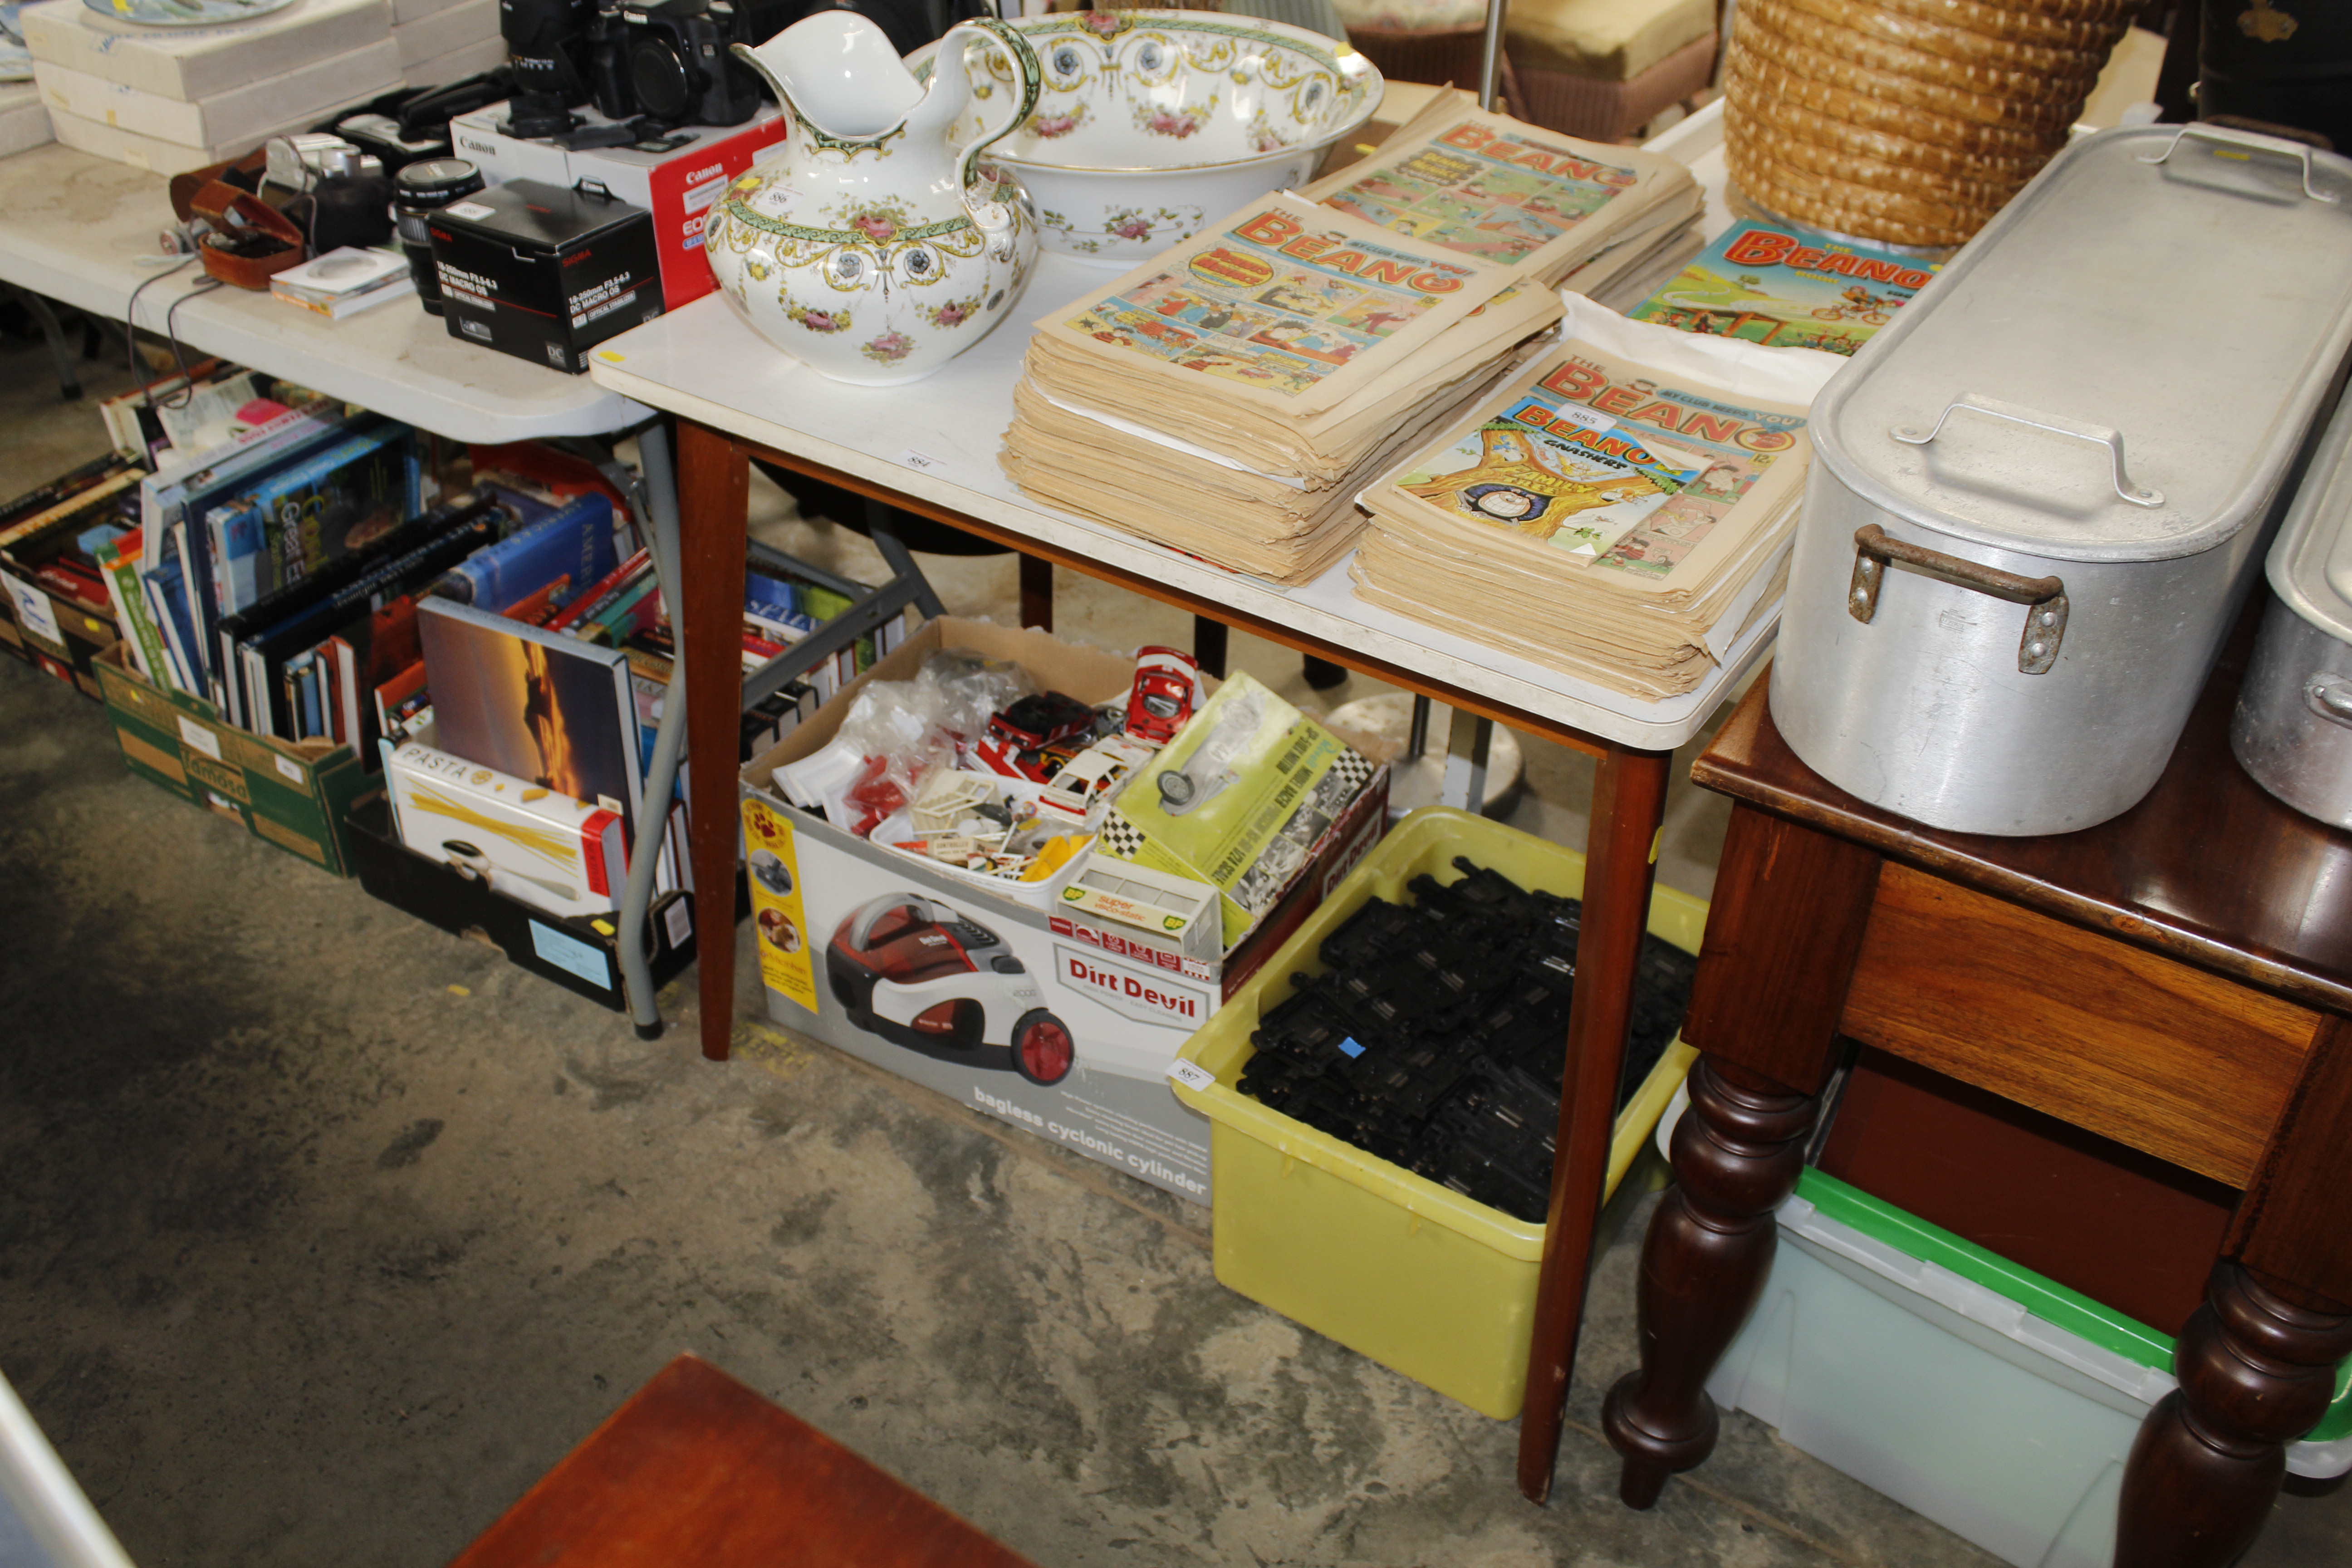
2292,726
2036,498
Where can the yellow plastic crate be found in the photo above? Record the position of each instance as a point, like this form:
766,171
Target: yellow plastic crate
1388,1263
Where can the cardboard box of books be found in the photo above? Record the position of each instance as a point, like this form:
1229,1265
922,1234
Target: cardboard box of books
1032,1003
293,793
53,606
580,952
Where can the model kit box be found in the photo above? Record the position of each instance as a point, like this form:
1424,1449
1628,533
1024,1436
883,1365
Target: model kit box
581,953
1240,799
1000,994
293,794
677,177
543,272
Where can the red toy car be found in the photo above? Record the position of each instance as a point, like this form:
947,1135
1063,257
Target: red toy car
1166,692
1036,722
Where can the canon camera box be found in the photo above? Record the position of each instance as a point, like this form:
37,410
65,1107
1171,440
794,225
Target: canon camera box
1002,995
677,177
544,273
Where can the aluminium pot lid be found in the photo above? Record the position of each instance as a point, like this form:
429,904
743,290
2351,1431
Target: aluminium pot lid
2123,364
2311,562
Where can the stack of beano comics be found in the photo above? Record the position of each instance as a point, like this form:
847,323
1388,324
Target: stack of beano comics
1610,222
1620,509
1229,397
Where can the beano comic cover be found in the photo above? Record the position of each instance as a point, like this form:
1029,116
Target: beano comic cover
1285,298
1610,465
1787,288
1486,186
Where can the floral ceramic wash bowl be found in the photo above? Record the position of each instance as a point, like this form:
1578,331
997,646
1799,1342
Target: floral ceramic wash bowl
1153,122
866,243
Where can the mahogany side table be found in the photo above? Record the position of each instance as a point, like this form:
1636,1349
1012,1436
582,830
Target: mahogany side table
2179,979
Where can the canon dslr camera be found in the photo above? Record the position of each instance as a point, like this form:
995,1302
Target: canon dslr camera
678,64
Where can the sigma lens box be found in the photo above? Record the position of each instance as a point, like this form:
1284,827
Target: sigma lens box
545,273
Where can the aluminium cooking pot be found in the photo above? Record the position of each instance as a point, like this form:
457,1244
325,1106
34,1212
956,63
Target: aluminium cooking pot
2036,498
2293,728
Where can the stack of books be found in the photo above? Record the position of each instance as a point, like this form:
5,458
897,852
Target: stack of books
1620,511
1229,397
1607,222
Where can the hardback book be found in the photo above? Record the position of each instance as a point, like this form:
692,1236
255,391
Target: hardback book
1787,288
1505,191
310,506
575,542
346,599
533,703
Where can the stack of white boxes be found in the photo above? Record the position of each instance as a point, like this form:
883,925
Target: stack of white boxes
445,41
176,98
23,121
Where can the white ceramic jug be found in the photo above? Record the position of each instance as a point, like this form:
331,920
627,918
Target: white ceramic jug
863,243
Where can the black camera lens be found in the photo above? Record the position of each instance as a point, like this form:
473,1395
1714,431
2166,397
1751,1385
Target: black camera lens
421,189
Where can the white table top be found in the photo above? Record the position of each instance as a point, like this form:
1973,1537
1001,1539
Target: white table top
75,225
936,439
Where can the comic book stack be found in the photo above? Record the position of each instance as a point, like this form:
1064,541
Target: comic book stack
1229,397
1610,223
1619,511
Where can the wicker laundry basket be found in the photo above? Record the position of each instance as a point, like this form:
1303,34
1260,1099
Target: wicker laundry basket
1909,123
1600,111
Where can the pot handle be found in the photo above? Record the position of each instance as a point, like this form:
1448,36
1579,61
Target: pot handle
2330,697
2251,142
2045,597
1993,407
996,219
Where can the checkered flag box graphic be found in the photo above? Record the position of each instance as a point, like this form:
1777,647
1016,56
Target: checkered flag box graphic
1119,838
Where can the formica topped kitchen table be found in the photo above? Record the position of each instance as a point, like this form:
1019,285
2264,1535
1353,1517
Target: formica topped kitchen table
2178,979
77,225
931,448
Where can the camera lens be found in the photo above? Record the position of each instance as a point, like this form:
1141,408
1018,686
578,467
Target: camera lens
420,189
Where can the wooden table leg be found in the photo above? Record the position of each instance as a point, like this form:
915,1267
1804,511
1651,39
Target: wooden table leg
1737,1157
1037,592
713,506
2256,1371
1628,804
1782,936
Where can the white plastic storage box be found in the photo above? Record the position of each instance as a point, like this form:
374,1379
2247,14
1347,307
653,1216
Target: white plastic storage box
1990,1398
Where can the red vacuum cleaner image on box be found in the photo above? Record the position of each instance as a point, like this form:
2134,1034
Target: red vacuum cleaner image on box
915,971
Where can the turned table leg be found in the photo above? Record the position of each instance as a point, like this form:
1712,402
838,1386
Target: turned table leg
1737,1156
2255,1372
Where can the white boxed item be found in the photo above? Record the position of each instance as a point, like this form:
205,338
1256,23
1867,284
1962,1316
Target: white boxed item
458,64
162,157
195,63
345,281
1046,1018
408,12
24,121
678,186
461,26
1945,1395
549,851
228,117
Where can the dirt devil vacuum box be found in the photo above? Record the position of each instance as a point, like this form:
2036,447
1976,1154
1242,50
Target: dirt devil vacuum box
676,177
997,995
545,273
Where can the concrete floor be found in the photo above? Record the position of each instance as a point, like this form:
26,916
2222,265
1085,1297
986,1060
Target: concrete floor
326,1234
